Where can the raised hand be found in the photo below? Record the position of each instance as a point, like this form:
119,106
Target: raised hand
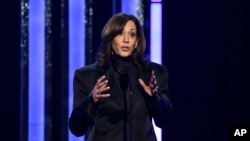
100,86
152,88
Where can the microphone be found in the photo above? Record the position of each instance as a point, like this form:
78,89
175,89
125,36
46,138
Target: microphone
124,81
124,71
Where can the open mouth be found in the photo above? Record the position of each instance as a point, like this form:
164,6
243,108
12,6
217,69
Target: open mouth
125,48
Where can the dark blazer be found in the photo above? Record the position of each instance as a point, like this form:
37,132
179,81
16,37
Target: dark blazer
110,119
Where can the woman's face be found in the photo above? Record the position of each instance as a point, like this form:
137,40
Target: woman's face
124,43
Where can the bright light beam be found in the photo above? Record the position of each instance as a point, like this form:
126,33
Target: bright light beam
36,69
156,43
76,48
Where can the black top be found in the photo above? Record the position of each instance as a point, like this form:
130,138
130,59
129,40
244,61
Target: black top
125,115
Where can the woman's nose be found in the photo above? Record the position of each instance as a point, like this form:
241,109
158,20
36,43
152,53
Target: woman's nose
126,38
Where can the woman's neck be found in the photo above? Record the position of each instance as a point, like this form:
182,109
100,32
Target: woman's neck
118,58
122,64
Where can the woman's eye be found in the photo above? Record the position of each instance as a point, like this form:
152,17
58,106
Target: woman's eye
132,34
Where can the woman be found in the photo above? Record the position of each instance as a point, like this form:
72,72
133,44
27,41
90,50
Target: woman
116,98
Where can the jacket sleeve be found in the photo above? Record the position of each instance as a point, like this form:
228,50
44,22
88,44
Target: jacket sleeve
82,114
159,104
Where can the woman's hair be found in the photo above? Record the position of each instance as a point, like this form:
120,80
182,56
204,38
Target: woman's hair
113,27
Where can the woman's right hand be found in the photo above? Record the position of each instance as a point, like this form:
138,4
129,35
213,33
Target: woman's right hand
100,86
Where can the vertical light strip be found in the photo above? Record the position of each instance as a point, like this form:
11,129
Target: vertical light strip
129,7
76,48
156,32
36,70
156,42
114,7
155,1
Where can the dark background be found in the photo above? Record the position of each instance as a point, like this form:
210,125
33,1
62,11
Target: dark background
10,70
206,51
205,48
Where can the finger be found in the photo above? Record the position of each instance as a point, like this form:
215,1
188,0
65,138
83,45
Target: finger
153,78
104,89
141,82
153,75
152,85
99,96
153,72
102,96
153,82
101,79
103,83
155,90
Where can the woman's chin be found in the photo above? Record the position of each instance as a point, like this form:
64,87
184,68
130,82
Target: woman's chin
124,55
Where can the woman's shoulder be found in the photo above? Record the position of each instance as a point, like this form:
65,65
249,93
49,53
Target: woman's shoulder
158,67
87,69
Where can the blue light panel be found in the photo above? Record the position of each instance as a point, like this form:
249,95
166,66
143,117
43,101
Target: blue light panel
76,48
156,42
156,32
129,7
36,80
155,0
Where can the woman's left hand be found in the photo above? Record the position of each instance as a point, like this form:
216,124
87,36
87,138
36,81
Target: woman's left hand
152,88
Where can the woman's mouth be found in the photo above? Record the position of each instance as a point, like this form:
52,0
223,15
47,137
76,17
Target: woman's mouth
125,48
